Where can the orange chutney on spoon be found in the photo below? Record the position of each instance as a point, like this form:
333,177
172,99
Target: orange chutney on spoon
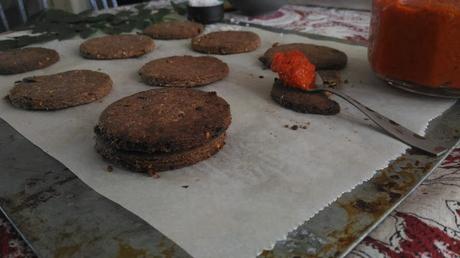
416,41
294,69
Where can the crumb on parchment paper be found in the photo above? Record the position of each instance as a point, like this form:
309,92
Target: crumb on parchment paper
297,125
153,174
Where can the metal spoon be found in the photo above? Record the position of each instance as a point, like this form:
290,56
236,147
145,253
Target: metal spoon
391,127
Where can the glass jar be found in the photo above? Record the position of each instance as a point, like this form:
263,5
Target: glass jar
415,45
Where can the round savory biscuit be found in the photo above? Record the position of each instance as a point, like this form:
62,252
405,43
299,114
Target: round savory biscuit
183,71
26,59
174,30
164,120
59,91
304,102
117,46
322,57
145,162
226,42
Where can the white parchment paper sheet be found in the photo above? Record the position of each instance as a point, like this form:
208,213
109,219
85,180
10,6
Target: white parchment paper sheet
266,181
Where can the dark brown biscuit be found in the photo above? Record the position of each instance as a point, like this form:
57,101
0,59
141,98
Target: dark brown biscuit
174,30
62,90
304,102
226,42
117,47
145,162
26,59
183,71
322,57
164,120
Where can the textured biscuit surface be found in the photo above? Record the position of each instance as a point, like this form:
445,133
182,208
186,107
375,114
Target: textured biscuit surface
226,42
26,59
174,30
183,71
164,120
117,47
62,90
147,162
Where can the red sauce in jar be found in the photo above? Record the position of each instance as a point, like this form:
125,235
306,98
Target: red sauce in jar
417,41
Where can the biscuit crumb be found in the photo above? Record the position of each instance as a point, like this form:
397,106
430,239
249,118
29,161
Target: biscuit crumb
153,174
298,125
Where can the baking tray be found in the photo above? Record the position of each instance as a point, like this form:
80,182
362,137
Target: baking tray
59,215
36,192
337,229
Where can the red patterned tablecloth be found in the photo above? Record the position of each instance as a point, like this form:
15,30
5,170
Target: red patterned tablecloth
11,245
338,23
427,224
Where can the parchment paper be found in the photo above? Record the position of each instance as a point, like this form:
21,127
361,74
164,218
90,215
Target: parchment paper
266,181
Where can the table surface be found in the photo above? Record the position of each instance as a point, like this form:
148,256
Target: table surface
426,223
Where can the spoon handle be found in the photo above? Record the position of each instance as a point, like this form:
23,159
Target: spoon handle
394,129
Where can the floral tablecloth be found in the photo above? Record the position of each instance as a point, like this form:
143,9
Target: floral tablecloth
427,224
338,23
